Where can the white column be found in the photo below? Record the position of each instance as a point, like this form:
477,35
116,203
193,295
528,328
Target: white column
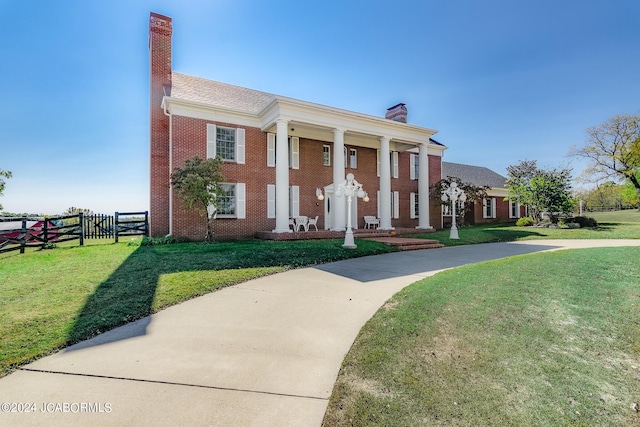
282,177
338,215
385,185
423,187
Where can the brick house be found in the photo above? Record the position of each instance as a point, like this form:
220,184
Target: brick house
496,207
278,152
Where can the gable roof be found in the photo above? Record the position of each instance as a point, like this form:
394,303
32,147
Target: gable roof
476,175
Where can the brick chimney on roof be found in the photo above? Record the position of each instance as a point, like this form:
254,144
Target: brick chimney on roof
397,113
160,31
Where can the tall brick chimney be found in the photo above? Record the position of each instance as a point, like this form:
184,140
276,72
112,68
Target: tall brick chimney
397,113
160,31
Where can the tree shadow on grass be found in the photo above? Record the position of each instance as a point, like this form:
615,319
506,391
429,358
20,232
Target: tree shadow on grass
125,296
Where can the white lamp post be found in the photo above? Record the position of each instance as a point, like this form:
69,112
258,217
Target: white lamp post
453,193
350,188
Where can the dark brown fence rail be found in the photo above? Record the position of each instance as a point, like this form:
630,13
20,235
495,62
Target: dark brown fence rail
22,233
131,224
19,233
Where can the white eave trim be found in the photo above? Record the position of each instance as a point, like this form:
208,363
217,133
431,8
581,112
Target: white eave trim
301,111
306,112
201,110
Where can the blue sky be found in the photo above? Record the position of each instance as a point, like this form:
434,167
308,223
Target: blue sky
501,80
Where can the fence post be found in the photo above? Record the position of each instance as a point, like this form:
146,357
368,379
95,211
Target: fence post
116,227
146,223
81,222
45,232
24,235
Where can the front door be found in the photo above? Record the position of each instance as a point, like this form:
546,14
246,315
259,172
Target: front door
328,194
328,222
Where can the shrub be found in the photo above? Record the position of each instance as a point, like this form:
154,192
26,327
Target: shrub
525,221
584,221
565,223
151,241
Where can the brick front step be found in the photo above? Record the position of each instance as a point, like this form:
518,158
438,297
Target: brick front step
407,244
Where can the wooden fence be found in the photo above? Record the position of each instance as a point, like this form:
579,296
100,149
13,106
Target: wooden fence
39,232
131,224
26,232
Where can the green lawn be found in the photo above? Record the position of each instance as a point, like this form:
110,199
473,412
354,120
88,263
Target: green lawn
54,298
550,339
611,225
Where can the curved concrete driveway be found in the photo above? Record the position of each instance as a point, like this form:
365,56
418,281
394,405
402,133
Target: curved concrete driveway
263,353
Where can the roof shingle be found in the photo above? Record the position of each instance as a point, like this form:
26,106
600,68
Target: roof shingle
476,175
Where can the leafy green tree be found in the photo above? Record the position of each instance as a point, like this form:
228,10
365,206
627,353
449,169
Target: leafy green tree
198,185
473,192
3,174
613,150
541,190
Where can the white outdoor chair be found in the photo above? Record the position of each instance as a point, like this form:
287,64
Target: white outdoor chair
301,221
312,221
371,222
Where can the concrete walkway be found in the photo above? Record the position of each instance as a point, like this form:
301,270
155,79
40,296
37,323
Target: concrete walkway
263,353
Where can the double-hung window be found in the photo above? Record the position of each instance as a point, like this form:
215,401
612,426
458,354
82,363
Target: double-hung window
514,209
226,143
489,208
414,166
353,158
232,203
326,155
415,206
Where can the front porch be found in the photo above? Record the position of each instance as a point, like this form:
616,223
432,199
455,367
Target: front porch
399,237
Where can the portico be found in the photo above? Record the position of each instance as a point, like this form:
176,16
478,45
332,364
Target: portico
339,128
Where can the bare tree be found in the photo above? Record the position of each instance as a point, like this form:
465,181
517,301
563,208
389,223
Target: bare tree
613,151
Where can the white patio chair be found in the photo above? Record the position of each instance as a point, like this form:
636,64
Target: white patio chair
371,222
312,221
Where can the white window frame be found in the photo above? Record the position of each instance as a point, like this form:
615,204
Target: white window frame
489,203
415,207
239,143
353,158
240,207
414,166
326,155
514,204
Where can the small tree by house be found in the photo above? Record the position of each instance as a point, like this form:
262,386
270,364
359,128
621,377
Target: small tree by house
541,190
613,149
198,185
3,174
473,192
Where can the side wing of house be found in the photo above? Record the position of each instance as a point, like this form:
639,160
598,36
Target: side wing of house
496,207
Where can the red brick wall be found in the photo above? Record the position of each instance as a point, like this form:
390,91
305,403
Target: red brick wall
189,139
